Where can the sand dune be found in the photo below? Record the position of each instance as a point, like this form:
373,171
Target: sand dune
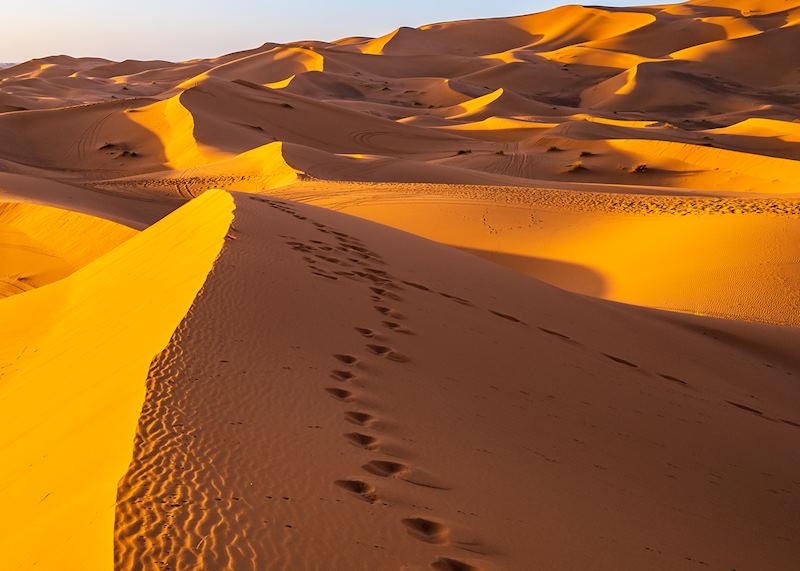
80,353
384,479
503,294
41,245
678,64
696,255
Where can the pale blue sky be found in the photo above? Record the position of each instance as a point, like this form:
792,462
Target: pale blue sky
184,29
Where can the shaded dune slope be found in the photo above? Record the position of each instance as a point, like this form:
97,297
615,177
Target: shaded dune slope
214,379
372,439
693,68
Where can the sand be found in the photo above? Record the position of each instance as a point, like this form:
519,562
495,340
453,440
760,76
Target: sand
74,357
504,294
428,414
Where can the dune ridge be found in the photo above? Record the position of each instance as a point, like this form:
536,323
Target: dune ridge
637,100
671,64
74,357
371,395
512,293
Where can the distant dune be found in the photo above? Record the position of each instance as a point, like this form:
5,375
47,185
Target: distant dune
503,294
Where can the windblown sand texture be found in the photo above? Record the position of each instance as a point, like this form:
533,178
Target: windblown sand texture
508,294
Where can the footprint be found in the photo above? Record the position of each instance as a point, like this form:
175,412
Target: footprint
340,394
673,379
621,360
447,564
389,312
397,357
397,328
326,276
745,407
385,293
365,332
359,418
376,279
416,285
387,352
346,359
385,468
426,530
361,489
506,316
379,350
342,375
377,271
455,298
555,334
362,440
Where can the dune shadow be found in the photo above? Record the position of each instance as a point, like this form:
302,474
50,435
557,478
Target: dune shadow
568,276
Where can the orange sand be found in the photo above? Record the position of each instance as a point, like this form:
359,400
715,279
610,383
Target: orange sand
200,368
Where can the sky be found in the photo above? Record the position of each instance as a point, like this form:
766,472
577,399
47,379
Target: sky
185,29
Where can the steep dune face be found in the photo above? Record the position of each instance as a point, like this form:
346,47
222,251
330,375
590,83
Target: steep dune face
74,357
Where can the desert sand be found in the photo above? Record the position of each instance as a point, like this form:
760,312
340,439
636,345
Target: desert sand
506,294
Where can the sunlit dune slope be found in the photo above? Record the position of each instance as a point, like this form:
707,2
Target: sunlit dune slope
656,440
553,324
694,69
73,359
728,257
267,67
133,209
686,100
39,245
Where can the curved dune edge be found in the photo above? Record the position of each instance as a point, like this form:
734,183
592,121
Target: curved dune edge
707,79
687,254
73,360
317,409
40,244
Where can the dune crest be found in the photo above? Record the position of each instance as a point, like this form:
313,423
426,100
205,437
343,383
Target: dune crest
637,101
81,355
484,295
372,392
